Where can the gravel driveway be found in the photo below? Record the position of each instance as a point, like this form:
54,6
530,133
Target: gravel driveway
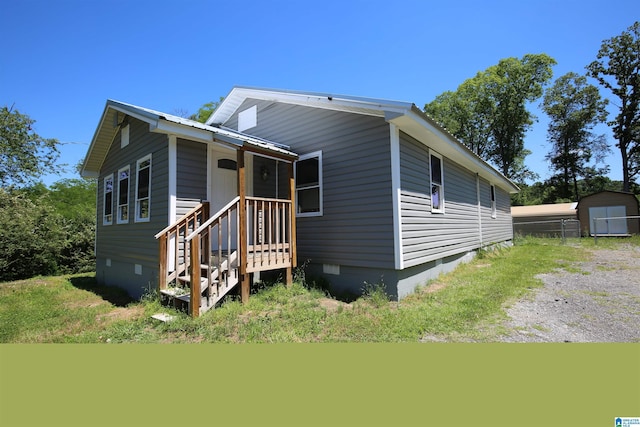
597,300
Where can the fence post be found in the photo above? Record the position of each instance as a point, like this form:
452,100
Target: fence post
595,231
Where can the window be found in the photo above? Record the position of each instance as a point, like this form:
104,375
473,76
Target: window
308,175
123,195
143,189
494,210
107,210
437,182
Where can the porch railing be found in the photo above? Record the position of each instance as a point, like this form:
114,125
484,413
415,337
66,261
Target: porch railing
269,234
212,254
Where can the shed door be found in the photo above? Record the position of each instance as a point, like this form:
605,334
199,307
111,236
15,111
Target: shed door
609,226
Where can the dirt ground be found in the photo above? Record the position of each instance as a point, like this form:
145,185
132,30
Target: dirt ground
597,300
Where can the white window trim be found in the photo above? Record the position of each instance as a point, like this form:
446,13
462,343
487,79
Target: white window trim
494,203
442,198
124,136
137,200
106,221
118,205
317,154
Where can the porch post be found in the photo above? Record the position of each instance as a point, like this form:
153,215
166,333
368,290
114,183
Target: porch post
242,227
162,269
292,214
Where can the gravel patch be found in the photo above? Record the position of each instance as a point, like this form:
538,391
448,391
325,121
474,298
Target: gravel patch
596,300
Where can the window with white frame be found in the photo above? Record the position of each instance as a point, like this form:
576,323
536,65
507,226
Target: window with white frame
107,201
123,195
437,183
143,189
308,176
494,210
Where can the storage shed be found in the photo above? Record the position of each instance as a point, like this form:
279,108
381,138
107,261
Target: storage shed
607,213
545,220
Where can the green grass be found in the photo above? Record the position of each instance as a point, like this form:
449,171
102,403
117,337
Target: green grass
468,305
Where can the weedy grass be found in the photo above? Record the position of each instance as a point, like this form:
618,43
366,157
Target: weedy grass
464,305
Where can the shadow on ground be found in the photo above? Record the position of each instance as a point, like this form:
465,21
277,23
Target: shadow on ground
113,294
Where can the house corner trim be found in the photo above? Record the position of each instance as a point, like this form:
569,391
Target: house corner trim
395,191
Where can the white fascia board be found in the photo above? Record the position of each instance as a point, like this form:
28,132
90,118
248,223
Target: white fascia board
133,112
163,126
366,106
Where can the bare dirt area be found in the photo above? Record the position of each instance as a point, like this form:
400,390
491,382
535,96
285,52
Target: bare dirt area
596,300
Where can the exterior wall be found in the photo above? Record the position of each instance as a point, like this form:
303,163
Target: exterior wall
352,281
191,170
500,228
356,228
353,241
609,198
130,248
463,227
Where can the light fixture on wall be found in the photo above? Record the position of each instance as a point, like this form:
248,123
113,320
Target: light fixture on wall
264,173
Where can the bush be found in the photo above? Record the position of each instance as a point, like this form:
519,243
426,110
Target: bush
31,236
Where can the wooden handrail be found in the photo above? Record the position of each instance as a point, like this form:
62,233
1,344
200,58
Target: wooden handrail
210,221
182,219
198,213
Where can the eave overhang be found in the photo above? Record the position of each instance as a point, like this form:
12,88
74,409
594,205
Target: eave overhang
114,116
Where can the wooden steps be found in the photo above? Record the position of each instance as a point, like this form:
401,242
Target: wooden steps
214,285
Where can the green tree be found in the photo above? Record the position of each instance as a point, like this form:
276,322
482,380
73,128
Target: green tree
574,108
489,114
24,155
617,68
204,112
30,235
74,200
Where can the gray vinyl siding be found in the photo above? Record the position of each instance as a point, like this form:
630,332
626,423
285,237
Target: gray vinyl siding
356,227
133,243
500,228
427,236
191,170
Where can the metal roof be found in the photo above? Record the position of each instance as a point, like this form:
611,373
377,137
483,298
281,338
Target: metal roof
554,209
167,123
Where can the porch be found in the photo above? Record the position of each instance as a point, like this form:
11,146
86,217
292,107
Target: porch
203,256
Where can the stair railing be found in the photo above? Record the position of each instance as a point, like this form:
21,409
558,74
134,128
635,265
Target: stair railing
207,246
173,248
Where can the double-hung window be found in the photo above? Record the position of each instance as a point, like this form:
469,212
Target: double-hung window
123,195
308,176
107,201
143,188
437,183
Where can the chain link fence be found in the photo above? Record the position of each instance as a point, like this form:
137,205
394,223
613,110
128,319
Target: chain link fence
559,228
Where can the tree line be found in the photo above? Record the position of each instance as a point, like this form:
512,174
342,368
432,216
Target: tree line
489,114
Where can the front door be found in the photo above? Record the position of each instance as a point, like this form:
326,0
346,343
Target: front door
222,189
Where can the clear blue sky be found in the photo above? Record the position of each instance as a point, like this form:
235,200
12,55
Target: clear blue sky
61,60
